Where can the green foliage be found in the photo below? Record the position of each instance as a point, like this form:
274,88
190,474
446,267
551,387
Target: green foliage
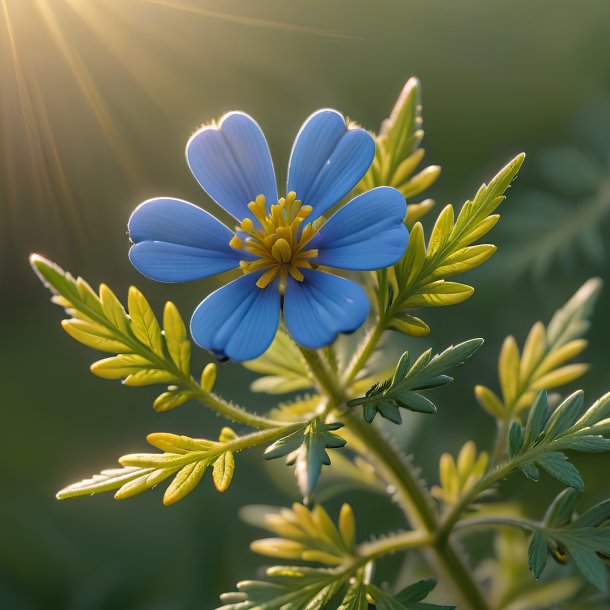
145,353
405,387
409,598
306,449
398,154
418,280
544,362
309,535
301,588
183,457
282,368
583,539
541,442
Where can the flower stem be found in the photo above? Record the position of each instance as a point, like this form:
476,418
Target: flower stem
419,509
363,355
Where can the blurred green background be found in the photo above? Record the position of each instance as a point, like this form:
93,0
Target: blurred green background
97,99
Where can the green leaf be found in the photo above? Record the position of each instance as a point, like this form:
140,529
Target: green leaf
581,540
537,554
557,465
419,275
407,599
538,416
404,389
560,512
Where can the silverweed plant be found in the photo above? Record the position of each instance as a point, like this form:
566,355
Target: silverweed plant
281,316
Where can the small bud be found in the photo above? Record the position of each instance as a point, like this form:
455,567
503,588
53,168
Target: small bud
208,377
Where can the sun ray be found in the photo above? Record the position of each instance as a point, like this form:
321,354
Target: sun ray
92,94
258,22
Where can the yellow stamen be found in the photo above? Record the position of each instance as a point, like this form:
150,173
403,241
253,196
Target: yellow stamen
236,243
280,241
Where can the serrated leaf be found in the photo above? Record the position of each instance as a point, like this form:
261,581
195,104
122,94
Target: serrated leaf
537,554
113,309
515,439
403,389
530,471
589,565
557,465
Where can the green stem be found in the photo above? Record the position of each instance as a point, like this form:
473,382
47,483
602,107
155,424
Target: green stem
487,522
419,509
363,355
416,502
393,544
325,378
230,410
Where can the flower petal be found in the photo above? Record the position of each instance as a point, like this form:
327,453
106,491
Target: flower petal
175,241
239,320
328,159
232,163
366,233
317,309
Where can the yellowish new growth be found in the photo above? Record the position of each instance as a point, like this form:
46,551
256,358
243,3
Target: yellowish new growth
279,244
458,476
522,375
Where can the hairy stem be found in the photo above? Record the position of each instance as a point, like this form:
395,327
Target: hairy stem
420,511
417,504
363,355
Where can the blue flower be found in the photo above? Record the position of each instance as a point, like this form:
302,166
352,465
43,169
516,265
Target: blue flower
282,245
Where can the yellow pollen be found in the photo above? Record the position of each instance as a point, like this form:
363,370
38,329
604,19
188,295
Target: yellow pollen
278,241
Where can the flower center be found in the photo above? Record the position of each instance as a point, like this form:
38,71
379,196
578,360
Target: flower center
279,244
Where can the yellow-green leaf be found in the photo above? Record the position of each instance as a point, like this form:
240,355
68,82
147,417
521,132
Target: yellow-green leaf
508,369
415,211
113,310
441,231
347,526
93,335
146,481
143,321
561,376
185,481
440,293
409,325
176,337
420,182
464,260
148,377
222,473
489,401
119,366
170,400
533,350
